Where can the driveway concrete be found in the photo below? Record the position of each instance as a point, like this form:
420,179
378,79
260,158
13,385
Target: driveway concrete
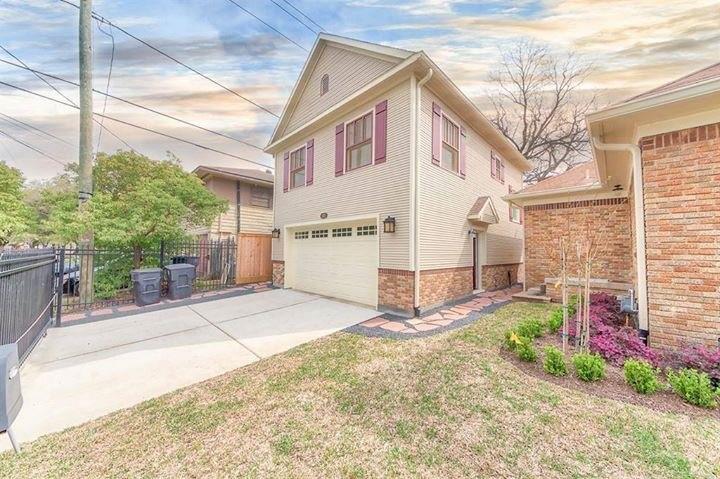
81,372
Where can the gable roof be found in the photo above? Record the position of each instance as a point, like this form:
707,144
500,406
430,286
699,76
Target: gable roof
392,54
711,72
484,211
407,63
584,174
246,174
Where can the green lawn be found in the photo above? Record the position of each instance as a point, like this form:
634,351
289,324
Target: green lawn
350,406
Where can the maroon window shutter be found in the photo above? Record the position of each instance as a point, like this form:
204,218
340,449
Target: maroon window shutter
339,149
463,148
380,132
493,174
286,171
310,162
502,171
436,132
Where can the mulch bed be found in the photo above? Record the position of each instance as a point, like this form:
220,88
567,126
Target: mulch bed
613,386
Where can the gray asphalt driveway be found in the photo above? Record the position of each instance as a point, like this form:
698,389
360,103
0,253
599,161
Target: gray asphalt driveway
81,372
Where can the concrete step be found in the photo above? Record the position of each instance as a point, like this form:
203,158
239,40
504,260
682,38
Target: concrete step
532,295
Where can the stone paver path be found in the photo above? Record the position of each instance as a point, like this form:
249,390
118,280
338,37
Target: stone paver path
437,321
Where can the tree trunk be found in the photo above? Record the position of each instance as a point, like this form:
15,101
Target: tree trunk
137,256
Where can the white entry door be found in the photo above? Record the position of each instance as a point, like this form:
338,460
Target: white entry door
338,260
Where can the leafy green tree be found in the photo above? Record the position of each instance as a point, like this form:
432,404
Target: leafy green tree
54,207
137,202
15,216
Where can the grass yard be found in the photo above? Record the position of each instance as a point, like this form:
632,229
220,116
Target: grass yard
356,407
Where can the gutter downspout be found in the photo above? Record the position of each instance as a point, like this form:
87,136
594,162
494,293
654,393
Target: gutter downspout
416,191
639,213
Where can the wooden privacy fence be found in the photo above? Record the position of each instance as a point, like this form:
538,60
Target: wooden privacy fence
254,263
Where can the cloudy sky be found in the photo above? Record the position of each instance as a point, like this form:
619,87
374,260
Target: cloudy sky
634,45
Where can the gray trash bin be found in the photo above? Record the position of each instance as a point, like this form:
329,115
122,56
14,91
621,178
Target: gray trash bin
180,280
10,395
146,285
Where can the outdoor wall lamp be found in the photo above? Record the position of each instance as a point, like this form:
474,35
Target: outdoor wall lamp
275,233
389,225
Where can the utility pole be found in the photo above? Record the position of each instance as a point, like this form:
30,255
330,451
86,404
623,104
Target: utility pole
86,153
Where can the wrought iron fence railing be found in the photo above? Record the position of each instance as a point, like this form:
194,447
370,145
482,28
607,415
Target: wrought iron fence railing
109,269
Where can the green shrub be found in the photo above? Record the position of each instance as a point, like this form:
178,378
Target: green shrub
525,350
554,361
512,339
572,305
694,387
530,328
589,367
641,376
555,321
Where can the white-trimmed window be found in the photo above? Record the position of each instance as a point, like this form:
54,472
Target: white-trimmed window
319,234
324,84
450,157
368,230
341,232
358,142
301,235
515,210
297,167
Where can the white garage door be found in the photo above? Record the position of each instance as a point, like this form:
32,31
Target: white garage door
337,260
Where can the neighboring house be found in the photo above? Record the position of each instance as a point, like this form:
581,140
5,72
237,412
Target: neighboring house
249,196
652,195
390,183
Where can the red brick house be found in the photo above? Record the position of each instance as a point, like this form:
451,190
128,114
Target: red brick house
652,195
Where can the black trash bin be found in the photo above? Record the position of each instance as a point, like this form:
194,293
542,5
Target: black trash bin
146,285
185,259
180,280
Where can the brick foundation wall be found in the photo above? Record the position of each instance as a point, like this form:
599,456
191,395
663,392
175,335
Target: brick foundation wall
610,218
438,286
495,276
396,289
681,179
278,273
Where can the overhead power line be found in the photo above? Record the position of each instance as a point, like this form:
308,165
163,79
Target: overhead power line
32,147
304,15
30,127
150,130
137,105
293,15
63,95
170,57
107,85
264,23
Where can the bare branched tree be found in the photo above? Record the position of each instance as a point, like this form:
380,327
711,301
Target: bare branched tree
541,108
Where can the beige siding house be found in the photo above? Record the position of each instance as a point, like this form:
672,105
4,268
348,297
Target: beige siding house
390,183
249,196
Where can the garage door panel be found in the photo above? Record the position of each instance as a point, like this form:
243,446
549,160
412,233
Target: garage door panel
342,267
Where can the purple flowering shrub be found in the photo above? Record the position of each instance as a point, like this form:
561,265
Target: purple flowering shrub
617,345
609,337
703,358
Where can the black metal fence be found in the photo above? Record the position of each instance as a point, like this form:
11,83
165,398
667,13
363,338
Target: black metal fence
110,270
27,293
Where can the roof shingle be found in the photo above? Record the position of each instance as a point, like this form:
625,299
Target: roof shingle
584,174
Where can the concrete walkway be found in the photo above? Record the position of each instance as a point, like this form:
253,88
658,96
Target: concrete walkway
81,372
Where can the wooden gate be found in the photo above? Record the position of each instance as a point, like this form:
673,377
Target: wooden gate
254,263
